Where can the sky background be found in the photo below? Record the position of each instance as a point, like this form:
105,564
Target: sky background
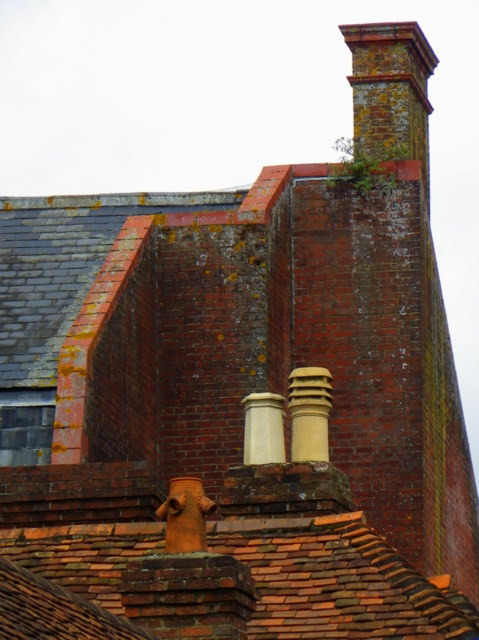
108,96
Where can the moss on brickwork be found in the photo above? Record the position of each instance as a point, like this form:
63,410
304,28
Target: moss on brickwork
381,117
450,493
390,103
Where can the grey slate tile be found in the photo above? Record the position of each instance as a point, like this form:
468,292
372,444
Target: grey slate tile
13,438
49,262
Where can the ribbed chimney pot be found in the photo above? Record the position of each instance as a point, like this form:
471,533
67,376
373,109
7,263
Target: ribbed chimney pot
310,402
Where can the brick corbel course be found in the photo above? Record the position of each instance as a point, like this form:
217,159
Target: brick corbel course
70,442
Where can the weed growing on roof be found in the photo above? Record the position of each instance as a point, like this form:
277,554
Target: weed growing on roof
363,169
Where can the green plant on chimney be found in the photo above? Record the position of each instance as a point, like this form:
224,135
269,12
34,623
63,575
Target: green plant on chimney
363,169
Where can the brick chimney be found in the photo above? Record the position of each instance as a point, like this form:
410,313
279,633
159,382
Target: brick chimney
189,595
391,65
307,485
188,592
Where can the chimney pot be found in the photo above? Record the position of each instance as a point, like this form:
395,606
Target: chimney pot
310,402
184,511
264,435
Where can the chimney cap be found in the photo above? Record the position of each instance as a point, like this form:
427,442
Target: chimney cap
264,395
310,372
391,32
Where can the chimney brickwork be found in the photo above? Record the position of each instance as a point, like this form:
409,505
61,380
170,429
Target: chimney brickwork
192,595
391,65
279,490
189,592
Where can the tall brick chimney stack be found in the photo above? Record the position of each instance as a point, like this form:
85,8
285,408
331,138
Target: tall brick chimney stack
391,65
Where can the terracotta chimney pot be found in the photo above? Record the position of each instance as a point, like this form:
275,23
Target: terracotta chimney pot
184,511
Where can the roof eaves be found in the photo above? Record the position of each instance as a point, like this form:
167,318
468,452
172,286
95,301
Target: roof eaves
453,622
122,624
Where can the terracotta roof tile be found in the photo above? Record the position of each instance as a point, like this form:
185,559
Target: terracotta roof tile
31,607
329,577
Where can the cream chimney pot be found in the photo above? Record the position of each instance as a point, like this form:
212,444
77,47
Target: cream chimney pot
310,402
264,435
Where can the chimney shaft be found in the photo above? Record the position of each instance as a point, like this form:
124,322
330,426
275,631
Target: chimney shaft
391,65
189,592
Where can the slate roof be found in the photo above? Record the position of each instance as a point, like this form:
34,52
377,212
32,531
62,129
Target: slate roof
329,577
31,607
50,251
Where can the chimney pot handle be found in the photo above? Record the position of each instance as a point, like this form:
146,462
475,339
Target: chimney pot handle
176,503
207,506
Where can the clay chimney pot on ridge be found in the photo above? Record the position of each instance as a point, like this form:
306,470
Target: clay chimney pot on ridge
184,512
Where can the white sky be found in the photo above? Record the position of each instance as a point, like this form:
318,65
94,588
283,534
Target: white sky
101,96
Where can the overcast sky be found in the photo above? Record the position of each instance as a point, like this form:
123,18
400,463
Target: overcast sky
102,96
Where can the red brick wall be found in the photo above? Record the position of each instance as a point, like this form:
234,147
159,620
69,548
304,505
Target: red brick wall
77,494
120,408
280,302
358,283
368,306
213,312
223,324
213,336
202,321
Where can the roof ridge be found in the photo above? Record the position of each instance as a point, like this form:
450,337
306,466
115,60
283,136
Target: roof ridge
284,524
136,198
103,529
